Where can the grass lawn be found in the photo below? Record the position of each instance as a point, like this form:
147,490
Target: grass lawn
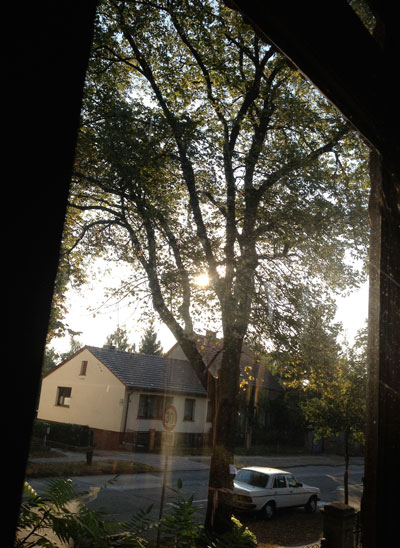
67,469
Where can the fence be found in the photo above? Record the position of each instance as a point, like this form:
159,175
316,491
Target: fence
357,530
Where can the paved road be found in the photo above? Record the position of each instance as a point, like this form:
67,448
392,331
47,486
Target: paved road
129,493
330,481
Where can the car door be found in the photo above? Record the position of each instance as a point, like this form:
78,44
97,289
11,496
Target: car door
296,493
280,491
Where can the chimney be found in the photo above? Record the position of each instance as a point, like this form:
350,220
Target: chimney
108,347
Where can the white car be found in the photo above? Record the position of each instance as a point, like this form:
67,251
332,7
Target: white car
264,490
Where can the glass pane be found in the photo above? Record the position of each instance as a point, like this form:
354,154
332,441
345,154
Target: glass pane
214,184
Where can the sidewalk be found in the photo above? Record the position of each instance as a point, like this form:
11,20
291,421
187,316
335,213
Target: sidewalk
296,460
203,462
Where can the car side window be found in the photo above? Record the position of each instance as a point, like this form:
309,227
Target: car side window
279,482
292,482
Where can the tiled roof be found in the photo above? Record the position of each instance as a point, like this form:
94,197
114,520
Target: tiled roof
251,370
150,372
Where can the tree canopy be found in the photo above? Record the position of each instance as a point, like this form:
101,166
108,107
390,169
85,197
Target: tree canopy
335,402
119,339
202,150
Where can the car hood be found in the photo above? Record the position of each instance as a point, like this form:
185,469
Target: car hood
310,488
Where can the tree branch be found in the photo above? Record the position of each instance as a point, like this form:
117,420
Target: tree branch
186,293
301,162
186,165
202,67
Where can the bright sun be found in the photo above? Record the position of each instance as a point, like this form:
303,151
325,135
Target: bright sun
202,280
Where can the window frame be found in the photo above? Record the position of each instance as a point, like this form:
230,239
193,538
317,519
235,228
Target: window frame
290,478
83,370
189,417
62,395
210,411
153,411
253,478
278,478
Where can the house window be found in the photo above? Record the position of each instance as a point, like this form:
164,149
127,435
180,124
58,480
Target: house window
210,411
63,396
83,368
188,414
152,407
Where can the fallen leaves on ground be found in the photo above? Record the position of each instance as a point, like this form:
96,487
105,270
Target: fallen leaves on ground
291,527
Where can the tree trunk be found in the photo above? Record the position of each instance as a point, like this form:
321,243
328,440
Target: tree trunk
218,516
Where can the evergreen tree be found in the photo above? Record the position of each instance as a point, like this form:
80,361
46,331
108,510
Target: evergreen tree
51,359
74,346
149,343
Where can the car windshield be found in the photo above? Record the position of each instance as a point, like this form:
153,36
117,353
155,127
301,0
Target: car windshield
256,479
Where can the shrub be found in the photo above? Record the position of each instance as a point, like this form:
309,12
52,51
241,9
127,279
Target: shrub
238,537
59,510
74,435
40,429
52,511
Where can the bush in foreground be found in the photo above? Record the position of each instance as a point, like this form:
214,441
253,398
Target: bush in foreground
60,511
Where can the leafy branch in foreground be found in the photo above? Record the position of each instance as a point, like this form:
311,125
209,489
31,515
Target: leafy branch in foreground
59,514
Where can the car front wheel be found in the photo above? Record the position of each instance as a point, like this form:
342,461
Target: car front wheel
311,505
268,511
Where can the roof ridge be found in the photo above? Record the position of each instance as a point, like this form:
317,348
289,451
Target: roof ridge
149,371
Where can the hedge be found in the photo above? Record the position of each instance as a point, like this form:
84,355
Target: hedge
68,434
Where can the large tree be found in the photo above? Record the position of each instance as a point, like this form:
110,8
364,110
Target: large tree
202,150
329,380
337,404
71,273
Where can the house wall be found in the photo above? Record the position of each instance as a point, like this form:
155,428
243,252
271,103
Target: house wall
97,398
198,425
176,353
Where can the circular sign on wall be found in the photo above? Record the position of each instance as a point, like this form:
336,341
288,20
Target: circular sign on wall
170,417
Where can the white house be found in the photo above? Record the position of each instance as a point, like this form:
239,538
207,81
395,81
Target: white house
254,373
121,396
258,386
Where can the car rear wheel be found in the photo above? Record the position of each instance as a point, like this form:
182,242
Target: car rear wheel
268,511
311,505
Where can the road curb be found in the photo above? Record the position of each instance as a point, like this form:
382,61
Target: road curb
200,463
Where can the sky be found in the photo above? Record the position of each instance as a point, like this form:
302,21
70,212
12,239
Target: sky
96,326
96,322
353,311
